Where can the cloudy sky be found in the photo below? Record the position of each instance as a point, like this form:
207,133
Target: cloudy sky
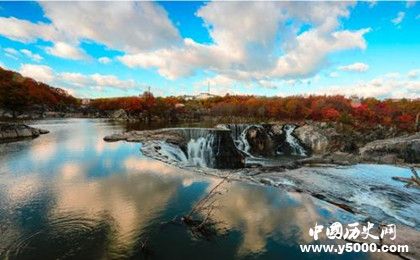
105,49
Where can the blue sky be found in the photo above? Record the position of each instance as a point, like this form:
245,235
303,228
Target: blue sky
107,49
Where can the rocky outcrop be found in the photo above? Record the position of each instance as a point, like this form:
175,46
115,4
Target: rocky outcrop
316,136
400,149
260,142
166,135
119,114
17,131
208,147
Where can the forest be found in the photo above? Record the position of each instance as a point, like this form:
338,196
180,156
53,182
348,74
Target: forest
19,94
360,112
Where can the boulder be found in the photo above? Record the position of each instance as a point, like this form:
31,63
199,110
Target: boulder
313,137
405,149
15,131
119,114
259,141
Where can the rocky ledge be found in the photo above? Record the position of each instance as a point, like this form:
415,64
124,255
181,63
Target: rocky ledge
166,135
16,131
211,147
404,149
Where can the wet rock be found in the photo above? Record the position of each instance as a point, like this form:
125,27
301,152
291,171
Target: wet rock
405,236
165,135
221,147
313,137
16,131
342,158
276,129
266,181
405,149
260,142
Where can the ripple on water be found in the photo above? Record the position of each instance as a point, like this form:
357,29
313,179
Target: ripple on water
63,235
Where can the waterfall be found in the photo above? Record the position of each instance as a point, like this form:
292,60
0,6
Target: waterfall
293,141
200,151
172,152
238,133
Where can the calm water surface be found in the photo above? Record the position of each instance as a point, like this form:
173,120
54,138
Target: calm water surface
69,194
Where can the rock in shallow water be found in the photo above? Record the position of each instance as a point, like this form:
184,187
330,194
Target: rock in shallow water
406,149
14,131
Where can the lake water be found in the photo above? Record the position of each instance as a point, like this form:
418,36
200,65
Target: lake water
69,194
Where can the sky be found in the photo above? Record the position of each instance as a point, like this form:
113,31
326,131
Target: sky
109,49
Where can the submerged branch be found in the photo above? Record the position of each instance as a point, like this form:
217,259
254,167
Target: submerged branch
413,181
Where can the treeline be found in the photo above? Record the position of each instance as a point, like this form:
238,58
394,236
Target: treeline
352,111
19,94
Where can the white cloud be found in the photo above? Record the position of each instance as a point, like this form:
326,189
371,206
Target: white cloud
67,51
12,51
380,87
16,54
96,80
40,73
75,79
412,74
31,55
129,26
252,42
312,48
400,17
355,67
25,31
245,36
69,81
111,81
104,60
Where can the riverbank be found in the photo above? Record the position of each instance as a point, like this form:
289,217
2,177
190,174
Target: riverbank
11,132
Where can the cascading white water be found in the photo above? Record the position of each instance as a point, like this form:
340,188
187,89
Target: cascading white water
172,152
200,151
293,142
238,133
242,143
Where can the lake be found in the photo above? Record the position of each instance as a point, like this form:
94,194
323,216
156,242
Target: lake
69,194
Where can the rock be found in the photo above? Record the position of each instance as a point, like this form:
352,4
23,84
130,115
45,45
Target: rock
266,181
406,149
259,141
7,115
313,137
14,131
224,152
405,236
43,131
119,114
342,158
276,129
165,135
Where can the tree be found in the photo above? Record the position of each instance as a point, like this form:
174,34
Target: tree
330,114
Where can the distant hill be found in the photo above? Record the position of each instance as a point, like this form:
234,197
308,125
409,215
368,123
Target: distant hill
19,94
